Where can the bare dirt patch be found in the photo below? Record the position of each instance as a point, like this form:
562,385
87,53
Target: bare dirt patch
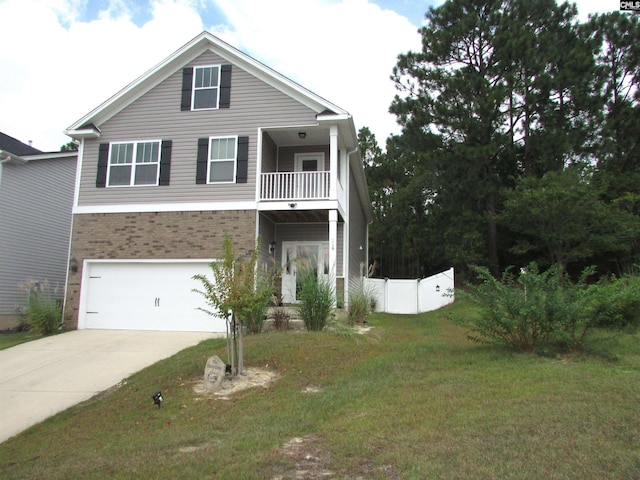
313,461
253,377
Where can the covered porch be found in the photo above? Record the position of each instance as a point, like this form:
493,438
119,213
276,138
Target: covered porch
291,240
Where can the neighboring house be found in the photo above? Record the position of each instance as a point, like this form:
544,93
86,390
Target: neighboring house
210,141
36,198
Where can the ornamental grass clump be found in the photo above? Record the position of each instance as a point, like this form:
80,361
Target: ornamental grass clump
361,301
43,312
316,299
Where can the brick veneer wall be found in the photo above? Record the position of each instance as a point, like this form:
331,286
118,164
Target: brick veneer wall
154,235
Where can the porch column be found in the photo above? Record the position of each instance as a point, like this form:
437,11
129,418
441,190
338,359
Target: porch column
333,247
333,162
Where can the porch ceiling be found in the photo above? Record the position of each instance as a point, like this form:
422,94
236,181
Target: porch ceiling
289,137
297,216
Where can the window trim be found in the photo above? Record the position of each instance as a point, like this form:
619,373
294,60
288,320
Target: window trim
194,88
133,164
210,161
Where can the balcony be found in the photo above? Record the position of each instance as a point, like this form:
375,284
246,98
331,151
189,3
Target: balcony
287,186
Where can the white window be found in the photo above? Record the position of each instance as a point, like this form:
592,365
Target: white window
206,87
222,159
134,163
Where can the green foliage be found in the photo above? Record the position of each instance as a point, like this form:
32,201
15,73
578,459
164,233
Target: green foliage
531,311
315,297
69,147
537,211
617,303
502,91
491,414
237,287
360,304
43,312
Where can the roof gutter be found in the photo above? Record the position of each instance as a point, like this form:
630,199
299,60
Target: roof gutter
7,157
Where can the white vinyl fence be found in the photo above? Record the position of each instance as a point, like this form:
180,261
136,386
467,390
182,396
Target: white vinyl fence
412,296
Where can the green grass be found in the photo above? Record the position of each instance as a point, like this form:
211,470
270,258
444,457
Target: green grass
16,338
413,399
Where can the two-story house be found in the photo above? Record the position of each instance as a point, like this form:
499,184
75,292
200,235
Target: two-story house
209,142
36,196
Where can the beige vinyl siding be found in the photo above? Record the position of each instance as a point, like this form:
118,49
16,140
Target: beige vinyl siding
267,234
286,156
35,223
157,115
357,237
269,154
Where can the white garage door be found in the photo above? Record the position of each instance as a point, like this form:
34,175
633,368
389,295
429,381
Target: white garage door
145,296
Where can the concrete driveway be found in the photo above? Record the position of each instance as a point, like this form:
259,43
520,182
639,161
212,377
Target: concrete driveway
41,378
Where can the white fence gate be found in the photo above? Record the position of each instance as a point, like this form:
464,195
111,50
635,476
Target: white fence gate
412,296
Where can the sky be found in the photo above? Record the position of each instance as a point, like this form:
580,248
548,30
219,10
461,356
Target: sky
59,59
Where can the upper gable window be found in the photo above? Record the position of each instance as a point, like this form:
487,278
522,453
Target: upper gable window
206,87
133,163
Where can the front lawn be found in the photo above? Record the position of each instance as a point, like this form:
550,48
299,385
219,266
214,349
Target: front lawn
10,339
412,399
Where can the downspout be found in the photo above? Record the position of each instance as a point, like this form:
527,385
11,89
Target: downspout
347,231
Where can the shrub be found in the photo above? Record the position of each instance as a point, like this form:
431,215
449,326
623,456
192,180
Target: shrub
361,303
531,311
617,303
43,312
281,318
236,287
315,299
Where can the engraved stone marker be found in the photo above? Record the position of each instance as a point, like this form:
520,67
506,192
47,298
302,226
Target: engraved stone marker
214,373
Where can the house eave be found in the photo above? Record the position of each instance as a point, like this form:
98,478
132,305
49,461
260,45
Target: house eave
187,53
51,155
86,131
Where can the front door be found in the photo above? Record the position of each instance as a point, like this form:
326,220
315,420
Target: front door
298,255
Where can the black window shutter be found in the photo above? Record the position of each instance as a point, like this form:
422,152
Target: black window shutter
201,165
243,160
165,162
103,160
187,85
225,86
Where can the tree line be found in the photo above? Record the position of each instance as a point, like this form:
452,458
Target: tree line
520,142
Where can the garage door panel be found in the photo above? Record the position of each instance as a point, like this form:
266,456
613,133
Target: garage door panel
147,296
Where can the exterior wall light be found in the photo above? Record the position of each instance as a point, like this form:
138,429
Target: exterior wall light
272,248
73,265
437,288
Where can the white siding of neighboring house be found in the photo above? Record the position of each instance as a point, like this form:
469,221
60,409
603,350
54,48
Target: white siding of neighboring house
36,199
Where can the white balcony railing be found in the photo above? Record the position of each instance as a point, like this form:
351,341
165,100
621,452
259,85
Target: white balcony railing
294,186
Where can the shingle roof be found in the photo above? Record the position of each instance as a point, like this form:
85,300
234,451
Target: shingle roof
10,144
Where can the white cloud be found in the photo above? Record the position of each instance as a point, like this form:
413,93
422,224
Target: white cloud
343,51
57,66
53,74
